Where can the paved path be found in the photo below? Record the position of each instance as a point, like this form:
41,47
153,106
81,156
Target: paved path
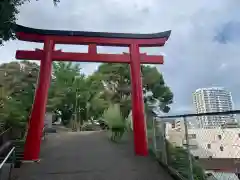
90,156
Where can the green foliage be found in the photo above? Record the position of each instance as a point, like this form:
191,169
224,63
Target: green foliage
75,96
115,122
8,12
63,90
8,17
15,113
153,82
17,86
116,80
117,84
178,159
113,117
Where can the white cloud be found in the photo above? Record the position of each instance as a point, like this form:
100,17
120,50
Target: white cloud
192,57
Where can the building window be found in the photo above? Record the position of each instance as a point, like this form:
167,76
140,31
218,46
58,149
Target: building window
196,157
219,137
221,148
209,146
192,136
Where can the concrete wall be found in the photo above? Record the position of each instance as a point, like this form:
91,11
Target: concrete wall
218,143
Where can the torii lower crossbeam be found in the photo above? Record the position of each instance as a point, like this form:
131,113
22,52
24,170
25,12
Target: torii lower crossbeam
88,57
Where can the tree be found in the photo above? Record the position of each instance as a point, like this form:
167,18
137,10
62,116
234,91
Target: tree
8,13
97,103
62,93
117,83
155,90
18,81
77,97
17,84
74,95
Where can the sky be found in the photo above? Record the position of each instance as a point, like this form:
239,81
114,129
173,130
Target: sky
203,49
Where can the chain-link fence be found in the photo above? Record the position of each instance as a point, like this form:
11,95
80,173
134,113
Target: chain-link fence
197,146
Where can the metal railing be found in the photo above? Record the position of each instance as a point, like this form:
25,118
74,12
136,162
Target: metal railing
197,146
7,154
7,164
44,133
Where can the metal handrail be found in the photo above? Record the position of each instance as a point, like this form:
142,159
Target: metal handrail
10,153
200,114
6,158
5,131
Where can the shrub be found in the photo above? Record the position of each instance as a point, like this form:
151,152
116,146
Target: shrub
115,121
113,117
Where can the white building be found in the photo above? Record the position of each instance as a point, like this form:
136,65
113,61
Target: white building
213,99
205,143
217,143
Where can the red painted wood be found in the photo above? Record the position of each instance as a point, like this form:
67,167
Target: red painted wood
36,123
92,49
92,40
86,57
37,49
139,124
29,55
151,59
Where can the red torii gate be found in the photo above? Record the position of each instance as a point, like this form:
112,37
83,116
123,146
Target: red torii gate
92,39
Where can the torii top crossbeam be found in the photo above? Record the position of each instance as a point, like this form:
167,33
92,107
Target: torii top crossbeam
99,38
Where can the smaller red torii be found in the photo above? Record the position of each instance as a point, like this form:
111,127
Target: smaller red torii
92,39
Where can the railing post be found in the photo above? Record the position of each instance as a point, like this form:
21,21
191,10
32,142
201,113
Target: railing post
154,136
164,144
191,177
1,173
12,164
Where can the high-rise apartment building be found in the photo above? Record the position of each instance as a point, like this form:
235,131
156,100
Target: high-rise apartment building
213,99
